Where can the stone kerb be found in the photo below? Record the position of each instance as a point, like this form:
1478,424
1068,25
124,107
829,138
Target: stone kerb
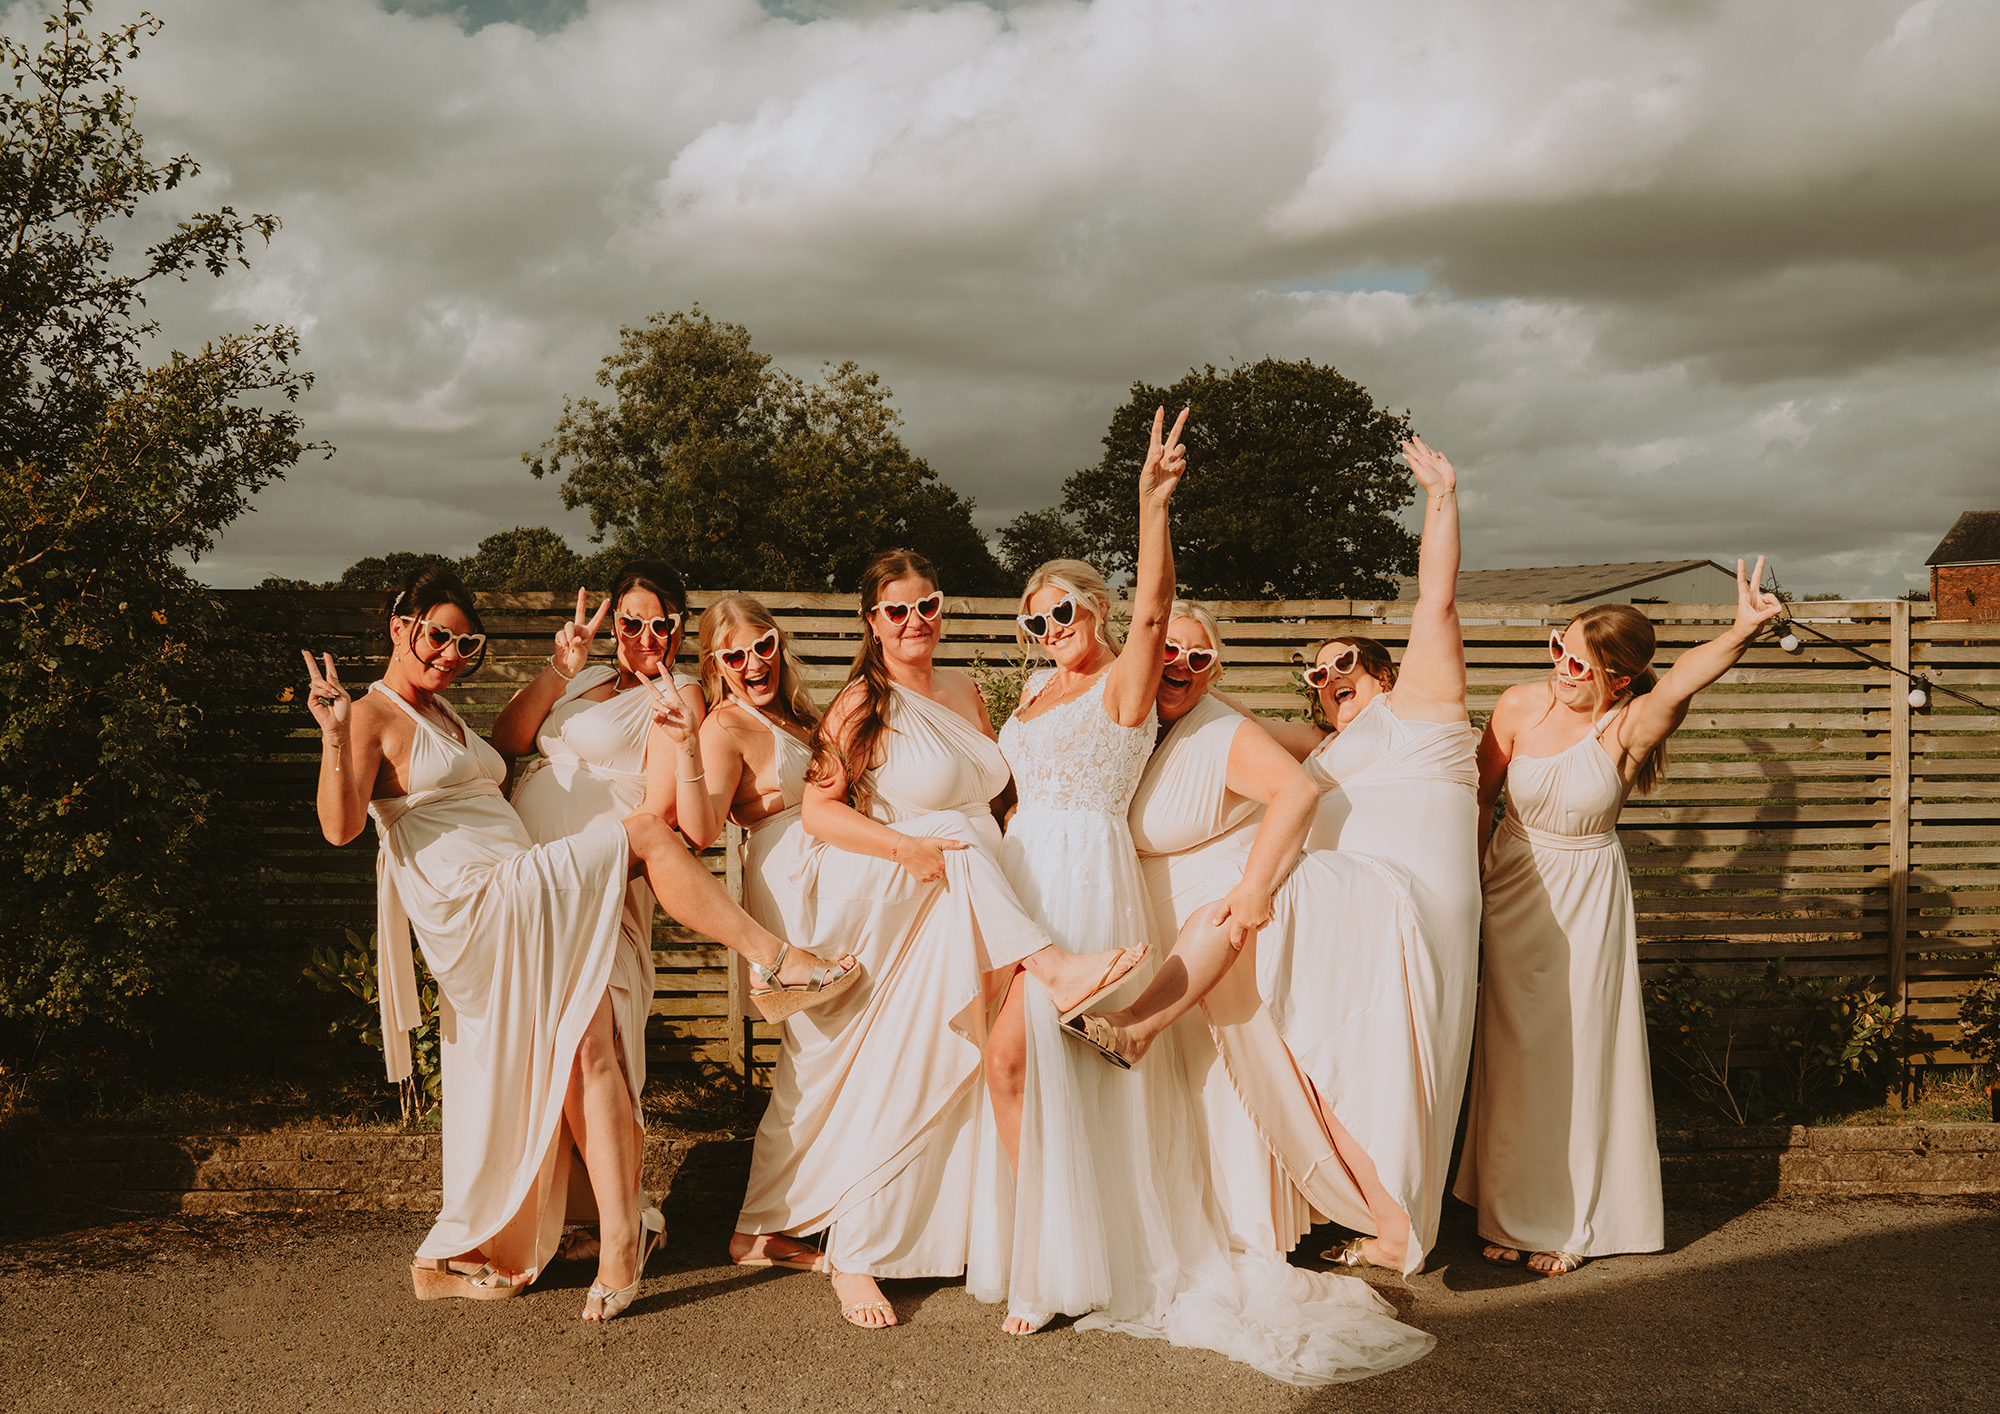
1860,1160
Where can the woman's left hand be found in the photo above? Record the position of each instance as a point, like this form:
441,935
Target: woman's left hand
1245,911
1754,607
1166,459
670,714
1432,471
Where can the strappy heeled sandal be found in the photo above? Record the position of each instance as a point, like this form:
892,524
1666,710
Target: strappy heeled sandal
610,1301
1566,1262
1352,1253
849,1310
776,1000
1111,981
434,1280
816,1262
1100,1035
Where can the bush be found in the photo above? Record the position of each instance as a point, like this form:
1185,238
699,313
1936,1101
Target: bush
1831,1041
351,969
1979,1022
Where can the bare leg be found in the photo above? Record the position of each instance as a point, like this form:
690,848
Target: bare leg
598,1107
1006,1062
1391,1242
753,1248
1202,954
695,897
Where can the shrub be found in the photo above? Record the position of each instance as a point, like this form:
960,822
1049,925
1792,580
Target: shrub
351,969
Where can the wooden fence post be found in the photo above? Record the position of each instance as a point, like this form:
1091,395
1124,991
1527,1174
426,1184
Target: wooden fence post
1899,806
738,1025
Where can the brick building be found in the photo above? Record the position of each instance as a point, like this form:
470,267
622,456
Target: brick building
1965,569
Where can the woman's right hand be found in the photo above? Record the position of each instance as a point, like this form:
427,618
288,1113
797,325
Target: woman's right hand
327,700
572,651
923,856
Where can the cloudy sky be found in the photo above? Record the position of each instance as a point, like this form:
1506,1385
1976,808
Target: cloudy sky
1664,277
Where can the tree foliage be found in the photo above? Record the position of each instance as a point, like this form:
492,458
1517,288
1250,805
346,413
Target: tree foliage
1292,489
127,697
741,474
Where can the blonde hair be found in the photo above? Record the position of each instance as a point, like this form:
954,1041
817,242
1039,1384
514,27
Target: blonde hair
1622,641
742,611
1073,577
1188,609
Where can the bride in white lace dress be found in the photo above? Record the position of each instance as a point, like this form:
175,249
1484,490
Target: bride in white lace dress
1109,1214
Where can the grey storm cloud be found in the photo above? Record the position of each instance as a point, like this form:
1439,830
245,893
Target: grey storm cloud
1664,279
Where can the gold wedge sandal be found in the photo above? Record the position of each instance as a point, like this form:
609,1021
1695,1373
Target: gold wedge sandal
777,1000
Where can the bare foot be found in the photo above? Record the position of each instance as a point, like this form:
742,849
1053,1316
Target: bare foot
861,1301
797,968
1023,1325
1073,979
774,1249
1501,1256
1555,1264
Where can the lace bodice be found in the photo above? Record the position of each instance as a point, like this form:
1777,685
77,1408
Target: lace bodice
1075,757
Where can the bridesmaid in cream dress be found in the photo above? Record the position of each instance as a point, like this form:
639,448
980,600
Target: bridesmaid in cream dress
1561,1157
757,746
1315,1022
1400,787
871,1137
590,725
1110,1214
521,938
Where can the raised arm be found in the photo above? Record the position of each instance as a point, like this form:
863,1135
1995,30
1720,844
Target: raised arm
1430,685
1261,770
350,755
1134,679
515,729
1654,716
723,761
676,782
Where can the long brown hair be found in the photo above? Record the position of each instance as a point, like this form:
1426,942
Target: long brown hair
871,670
422,590
1373,659
742,611
1621,639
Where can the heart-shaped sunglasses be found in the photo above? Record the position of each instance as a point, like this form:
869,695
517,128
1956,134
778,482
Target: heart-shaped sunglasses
438,636
1060,614
733,659
633,626
897,611
1196,659
1320,674
1568,665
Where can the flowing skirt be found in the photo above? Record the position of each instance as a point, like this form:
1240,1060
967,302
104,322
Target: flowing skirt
1112,1217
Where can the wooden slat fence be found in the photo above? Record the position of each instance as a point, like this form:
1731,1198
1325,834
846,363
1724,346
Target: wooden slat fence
1811,815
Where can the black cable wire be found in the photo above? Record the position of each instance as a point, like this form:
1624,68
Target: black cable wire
1792,625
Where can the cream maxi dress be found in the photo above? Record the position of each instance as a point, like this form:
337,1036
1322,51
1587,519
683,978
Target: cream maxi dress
1406,793
775,848
592,771
522,939
870,1131
1560,1149
1112,1216
1316,1014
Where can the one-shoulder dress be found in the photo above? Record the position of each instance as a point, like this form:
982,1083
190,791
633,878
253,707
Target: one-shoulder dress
592,771
1315,1018
1406,793
522,939
1112,1216
1561,1154
870,1132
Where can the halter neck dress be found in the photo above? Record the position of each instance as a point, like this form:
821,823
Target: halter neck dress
775,847
1406,793
521,939
592,771
1561,1154
1112,1216
870,1134
1315,1018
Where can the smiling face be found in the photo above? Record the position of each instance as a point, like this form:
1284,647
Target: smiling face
423,664
642,654
1073,645
915,639
1345,694
756,680
1585,692
1179,688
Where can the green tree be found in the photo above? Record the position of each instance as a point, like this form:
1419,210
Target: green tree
387,572
528,558
128,698
1292,488
742,475
1033,538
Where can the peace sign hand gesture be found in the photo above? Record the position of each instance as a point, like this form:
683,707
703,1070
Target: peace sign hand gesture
1432,471
1754,607
573,638
326,699
669,712
1166,459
